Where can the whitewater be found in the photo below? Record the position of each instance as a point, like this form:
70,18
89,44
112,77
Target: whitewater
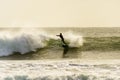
37,54
24,40
73,69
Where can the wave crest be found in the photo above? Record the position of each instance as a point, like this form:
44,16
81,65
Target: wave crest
24,41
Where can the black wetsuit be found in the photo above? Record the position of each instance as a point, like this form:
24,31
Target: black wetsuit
64,45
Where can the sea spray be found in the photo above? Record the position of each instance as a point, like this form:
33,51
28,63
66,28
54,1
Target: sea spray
74,40
21,41
24,40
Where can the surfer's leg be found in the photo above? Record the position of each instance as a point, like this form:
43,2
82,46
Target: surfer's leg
65,51
66,48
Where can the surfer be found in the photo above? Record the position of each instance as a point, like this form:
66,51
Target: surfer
64,44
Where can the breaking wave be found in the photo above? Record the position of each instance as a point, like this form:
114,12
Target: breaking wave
60,70
24,41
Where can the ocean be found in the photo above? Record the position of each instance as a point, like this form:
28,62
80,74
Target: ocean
37,54
42,43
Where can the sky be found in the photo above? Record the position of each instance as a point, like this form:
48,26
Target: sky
59,13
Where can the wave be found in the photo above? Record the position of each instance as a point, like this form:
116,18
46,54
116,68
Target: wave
68,77
60,70
101,43
24,40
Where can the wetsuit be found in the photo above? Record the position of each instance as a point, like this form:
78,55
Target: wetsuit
64,45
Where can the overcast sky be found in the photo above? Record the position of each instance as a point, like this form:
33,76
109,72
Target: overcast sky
59,13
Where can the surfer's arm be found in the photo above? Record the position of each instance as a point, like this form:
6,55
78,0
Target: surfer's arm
62,38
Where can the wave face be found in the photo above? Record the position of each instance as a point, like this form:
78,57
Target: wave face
97,38
26,40
101,43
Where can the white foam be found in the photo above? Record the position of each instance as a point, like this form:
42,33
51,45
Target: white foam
26,40
60,70
75,40
21,41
